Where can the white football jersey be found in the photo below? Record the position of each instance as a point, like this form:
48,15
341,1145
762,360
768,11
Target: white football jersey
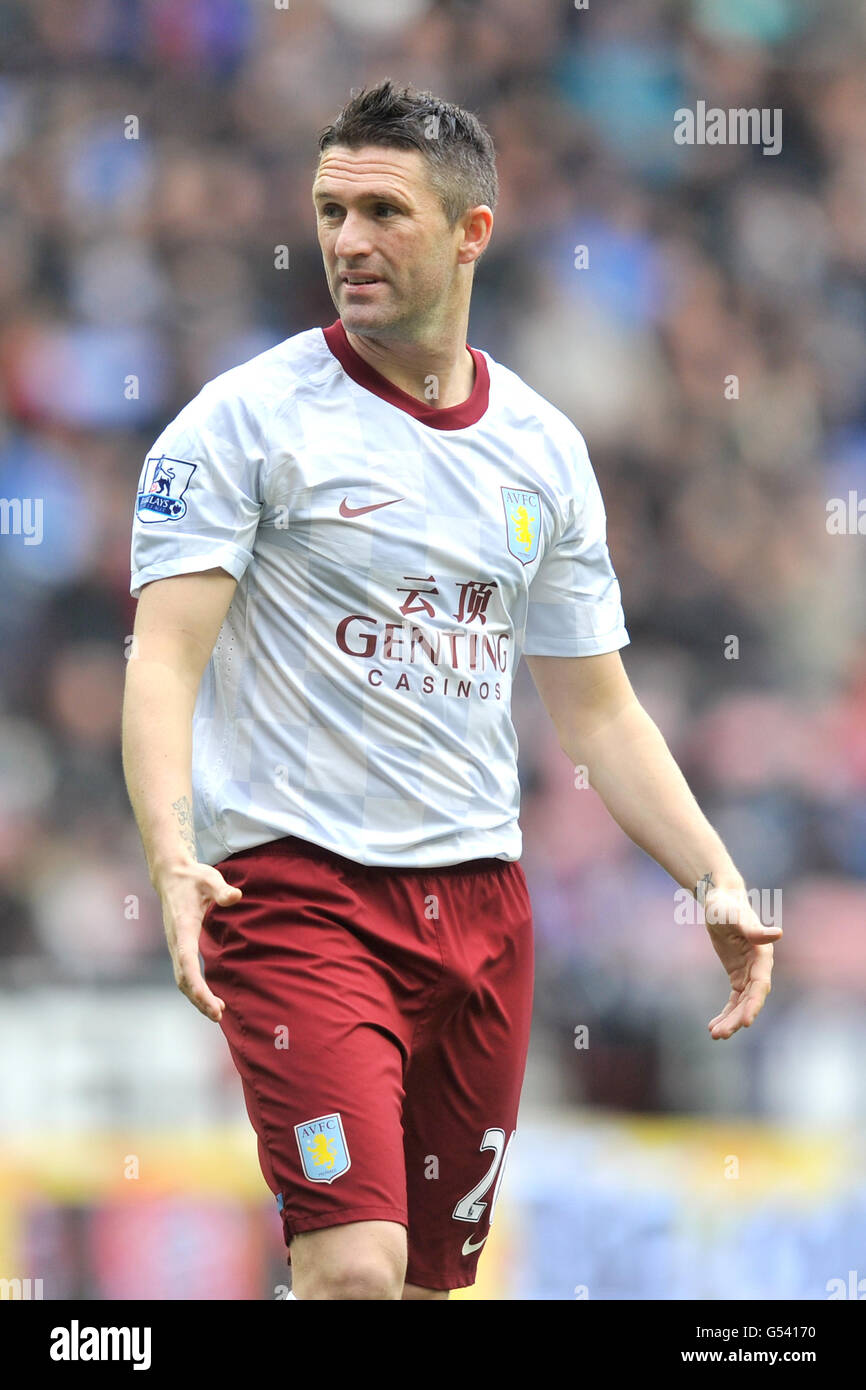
394,559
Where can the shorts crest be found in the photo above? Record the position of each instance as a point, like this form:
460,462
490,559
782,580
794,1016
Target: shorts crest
323,1148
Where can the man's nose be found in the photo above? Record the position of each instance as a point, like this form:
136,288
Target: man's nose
353,238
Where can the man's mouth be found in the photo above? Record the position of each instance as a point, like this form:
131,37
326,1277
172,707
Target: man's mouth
352,277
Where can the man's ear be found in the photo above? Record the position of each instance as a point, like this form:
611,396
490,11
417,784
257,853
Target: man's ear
477,231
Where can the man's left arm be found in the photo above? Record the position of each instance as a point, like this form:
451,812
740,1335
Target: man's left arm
601,725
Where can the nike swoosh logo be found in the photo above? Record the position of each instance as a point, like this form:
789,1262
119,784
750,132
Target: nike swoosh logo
469,1245
346,510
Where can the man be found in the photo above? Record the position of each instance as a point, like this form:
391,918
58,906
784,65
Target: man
369,524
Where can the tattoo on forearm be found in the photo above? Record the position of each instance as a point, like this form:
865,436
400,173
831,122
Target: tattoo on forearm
703,885
183,811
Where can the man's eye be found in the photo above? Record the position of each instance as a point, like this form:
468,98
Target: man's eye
384,208
329,209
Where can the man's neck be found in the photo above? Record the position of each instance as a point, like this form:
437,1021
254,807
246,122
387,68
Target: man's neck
437,378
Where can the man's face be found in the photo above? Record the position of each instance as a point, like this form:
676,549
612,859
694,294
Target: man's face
379,220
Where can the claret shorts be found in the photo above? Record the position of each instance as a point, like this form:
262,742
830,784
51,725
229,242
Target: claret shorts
379,1019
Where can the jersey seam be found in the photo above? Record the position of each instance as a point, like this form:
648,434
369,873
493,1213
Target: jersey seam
266,437
226,757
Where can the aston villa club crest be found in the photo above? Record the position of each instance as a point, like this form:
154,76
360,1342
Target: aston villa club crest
165,482
522,522
323,1149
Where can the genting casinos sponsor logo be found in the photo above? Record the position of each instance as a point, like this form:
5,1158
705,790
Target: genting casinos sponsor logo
412,656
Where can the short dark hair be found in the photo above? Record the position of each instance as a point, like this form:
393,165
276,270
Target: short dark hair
456,146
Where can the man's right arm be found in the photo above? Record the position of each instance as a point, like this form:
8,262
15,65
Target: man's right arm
176,625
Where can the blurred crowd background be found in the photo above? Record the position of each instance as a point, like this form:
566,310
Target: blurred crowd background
713,353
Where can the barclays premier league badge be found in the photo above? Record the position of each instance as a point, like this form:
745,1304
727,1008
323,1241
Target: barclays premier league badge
165,482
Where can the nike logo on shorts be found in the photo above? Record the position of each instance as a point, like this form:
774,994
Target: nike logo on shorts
469,1246
346,510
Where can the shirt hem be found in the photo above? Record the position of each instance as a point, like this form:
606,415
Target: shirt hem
224,557
271,845
584,646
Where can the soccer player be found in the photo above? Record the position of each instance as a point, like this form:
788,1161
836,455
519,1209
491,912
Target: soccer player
341,550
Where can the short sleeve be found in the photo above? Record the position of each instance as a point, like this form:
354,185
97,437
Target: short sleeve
198,500
575,606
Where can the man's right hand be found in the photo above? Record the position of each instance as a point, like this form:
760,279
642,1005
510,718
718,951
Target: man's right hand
186,892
